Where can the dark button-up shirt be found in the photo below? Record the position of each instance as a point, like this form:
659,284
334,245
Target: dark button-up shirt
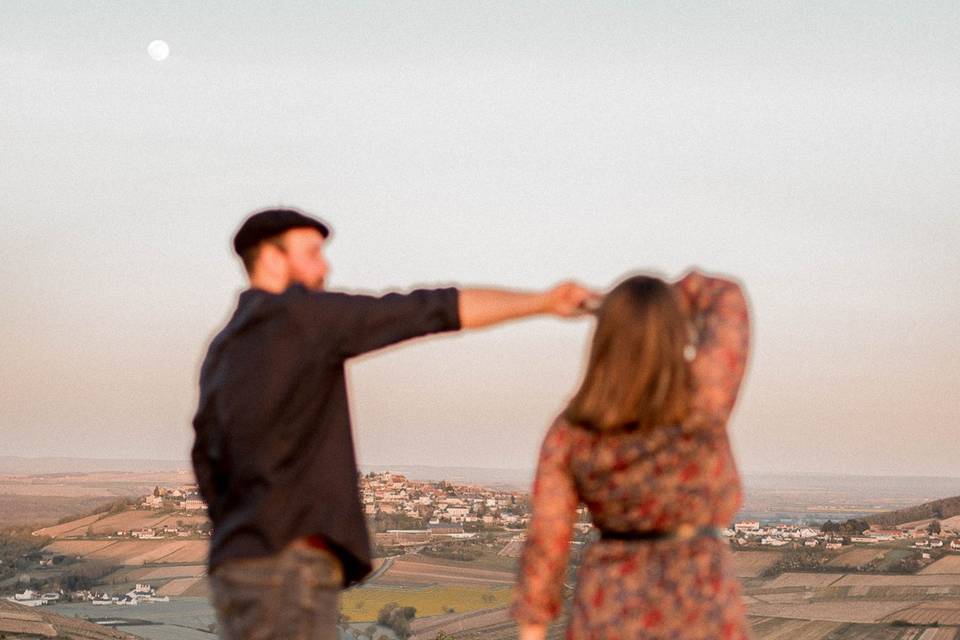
273,454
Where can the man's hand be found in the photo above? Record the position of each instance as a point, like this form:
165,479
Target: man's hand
485,307
569,299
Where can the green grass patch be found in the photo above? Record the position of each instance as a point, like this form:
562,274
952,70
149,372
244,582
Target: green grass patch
364,603
891,561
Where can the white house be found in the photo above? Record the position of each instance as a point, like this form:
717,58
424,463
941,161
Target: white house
773,542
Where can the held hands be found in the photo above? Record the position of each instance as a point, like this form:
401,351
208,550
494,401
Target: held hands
486,307
569,299
690,288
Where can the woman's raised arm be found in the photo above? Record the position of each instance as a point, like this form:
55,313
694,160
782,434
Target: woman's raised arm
718,311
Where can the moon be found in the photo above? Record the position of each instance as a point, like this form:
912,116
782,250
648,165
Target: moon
158,50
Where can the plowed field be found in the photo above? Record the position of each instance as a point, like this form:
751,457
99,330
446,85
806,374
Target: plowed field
940,612
423,573
107,524
751,564
135,552
856,557
948,564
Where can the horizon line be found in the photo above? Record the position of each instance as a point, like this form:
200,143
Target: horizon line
529,470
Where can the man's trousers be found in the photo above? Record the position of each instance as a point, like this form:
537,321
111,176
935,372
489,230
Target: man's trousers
293,595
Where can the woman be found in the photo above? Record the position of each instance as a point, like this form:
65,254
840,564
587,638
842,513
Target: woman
643,444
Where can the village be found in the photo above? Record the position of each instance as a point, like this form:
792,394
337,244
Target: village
141,593
443,509
411,519
922,535
463,511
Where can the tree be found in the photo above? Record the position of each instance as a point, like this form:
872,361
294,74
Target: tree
934,528
397,618
854,527
830,527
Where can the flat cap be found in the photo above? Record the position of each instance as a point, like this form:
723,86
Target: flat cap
266,224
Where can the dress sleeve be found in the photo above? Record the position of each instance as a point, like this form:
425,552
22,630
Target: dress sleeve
358,324
718,310
538,597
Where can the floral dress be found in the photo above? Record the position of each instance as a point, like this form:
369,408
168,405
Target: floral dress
675,475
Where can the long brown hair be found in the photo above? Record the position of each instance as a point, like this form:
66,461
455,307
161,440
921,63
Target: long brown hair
637,377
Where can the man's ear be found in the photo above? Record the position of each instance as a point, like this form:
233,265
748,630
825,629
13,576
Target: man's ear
273,260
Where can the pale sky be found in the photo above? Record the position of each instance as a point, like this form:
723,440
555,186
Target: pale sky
809,149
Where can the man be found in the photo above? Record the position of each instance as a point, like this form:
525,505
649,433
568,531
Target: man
274,454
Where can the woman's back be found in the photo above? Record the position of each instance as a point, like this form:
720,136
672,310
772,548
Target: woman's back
664,479
658,481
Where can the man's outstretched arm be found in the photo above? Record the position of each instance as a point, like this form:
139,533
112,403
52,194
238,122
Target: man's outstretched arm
358,324
485,307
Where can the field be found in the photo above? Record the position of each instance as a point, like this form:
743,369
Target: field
45,499
163,573
787,629
180,619
891,560
77,547
422,573
839,611
857,557
134,552
21,622
900,581
751,564
490,559
363,603
38,510
803,580
948,564
183,587
944,613
109,524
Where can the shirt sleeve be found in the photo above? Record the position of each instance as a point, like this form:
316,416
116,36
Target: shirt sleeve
543,563
358,324
718,310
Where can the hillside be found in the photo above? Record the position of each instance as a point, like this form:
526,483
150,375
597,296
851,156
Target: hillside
937,509
18,621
